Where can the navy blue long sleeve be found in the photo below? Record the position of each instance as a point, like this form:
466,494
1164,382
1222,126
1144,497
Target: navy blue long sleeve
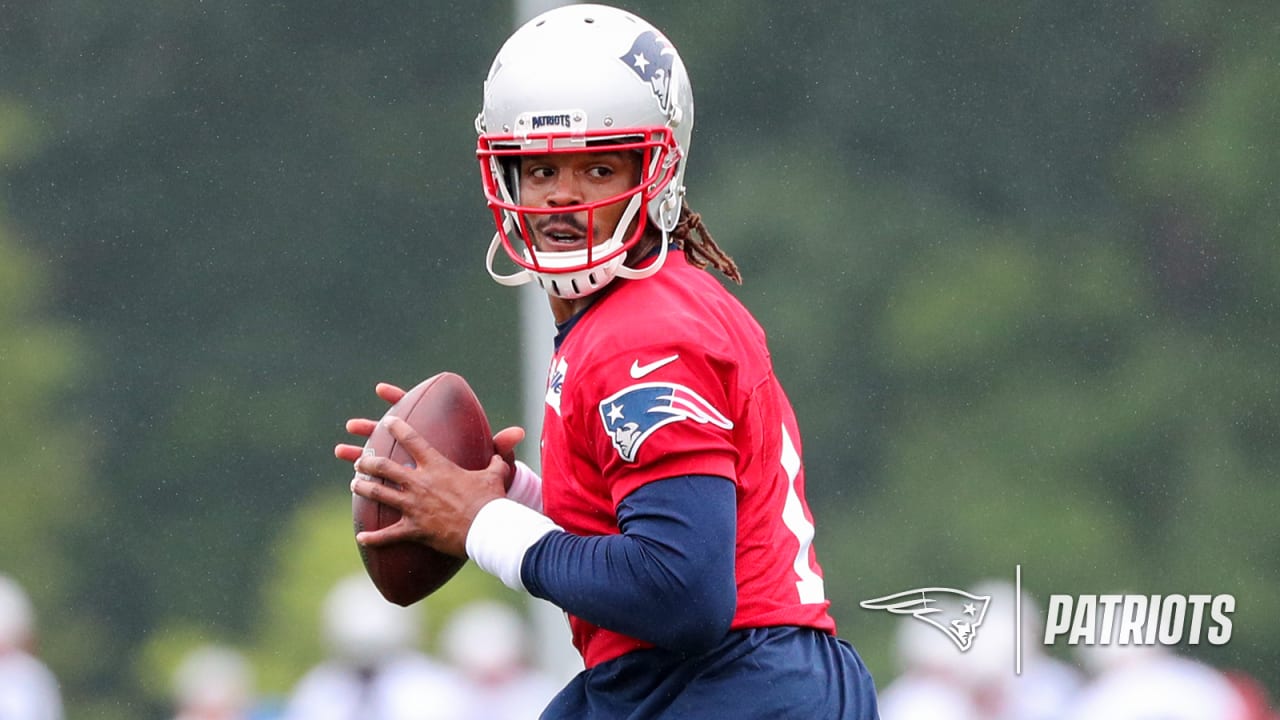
668,579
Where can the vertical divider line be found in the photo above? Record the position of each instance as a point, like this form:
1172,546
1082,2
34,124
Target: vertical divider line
1017,619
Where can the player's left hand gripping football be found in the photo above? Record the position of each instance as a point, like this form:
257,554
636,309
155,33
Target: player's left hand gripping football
437,499
364,426
504,441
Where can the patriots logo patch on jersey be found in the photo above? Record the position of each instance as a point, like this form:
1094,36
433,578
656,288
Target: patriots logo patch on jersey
632,414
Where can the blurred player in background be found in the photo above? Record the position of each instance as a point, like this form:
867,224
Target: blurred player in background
374,671
670,522
214,683
28,689
1137,682
932,683
487,642
1046,684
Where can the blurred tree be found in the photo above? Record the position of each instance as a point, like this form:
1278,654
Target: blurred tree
314,551
1203,179
246,200
48,438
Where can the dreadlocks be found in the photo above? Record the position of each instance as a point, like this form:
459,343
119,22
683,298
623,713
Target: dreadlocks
691,236
701,249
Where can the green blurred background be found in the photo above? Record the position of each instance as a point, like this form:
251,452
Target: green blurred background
1018,263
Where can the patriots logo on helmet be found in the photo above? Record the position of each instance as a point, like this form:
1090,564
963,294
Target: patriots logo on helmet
651,57
632,414
955,612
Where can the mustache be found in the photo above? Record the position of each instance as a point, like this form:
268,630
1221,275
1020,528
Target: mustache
560,219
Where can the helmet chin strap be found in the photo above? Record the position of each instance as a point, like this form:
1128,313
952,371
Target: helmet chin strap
625,222
582,282
651,268
520,277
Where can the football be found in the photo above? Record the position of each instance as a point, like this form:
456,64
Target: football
446,413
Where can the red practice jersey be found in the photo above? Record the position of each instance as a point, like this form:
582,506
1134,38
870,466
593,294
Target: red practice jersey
670,376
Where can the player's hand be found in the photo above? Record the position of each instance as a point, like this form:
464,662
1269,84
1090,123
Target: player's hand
504,445
437,499
364,426
504,441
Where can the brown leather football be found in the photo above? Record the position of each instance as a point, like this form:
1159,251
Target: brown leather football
446,413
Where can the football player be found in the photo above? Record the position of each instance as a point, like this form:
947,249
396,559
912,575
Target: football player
670,520
28,688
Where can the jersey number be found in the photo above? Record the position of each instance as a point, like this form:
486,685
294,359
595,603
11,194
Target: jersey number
809,586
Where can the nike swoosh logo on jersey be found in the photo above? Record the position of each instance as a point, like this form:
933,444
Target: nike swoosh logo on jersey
638,371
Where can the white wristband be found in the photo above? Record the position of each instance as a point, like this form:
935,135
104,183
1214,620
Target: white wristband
501,534
526,487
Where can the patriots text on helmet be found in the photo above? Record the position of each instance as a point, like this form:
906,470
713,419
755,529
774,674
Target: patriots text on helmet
546,121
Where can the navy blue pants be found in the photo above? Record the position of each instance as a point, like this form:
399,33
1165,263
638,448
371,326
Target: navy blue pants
766,673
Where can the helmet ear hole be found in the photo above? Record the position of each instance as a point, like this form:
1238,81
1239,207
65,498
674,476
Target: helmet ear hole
511,176
669,210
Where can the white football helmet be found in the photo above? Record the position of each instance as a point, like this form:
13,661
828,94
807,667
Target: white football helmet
362,628
576,79
17,616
